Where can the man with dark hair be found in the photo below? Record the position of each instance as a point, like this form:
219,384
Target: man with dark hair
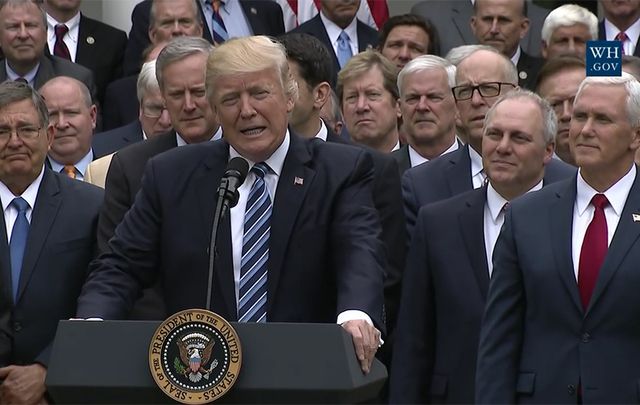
404,37
47,239
558,83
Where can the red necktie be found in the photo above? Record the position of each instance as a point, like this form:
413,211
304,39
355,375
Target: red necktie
622,36
594,250
60,48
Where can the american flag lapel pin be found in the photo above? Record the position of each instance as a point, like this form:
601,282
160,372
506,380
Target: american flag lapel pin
298,181
636,217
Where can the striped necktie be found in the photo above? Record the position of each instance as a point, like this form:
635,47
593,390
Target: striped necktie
219,30
252,304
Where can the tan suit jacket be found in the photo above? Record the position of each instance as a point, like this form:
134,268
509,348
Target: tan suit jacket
96,173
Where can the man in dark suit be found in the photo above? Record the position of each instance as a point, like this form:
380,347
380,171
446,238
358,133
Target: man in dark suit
322,256
560,325
428,110
97,46
310,66
502,24
451,19
263,17
338,28
47,240
153,117
481,77
447,277
621,23
24,50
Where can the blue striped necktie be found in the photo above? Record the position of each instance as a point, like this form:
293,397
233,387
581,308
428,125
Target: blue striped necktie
252,304
219,30
18,242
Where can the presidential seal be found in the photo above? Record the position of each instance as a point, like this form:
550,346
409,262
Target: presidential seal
195,356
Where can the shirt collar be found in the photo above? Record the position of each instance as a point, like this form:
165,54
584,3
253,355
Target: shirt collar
29,77
275,161
29,194
181,142
516,57
476,161
616,194
496,202
80,166
322,133
610,30
416,159
72,25
333,31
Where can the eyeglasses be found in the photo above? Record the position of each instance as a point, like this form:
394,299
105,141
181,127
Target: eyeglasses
24,133
152,111
489,89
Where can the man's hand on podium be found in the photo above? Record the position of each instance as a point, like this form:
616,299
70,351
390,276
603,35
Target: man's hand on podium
366,340
23,384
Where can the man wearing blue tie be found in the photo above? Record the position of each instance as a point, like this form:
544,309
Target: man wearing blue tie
47,240
301,245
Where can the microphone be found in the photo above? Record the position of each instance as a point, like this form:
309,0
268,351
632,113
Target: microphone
232,179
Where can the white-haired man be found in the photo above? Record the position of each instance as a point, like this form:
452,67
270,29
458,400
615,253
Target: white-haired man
566,30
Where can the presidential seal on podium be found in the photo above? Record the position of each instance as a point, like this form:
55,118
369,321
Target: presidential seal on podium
195,356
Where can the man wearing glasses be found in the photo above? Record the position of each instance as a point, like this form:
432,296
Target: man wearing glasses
481,77
48,239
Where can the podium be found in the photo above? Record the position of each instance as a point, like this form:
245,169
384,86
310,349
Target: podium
107,362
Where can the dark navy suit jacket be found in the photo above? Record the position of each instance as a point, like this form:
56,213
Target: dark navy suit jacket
60,245
537,344
105,143
325,255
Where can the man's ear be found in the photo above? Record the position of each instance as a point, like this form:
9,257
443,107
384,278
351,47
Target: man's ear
321,94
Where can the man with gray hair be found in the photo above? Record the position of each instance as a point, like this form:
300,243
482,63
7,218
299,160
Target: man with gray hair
447,276
428,110
47,240
482,75
560,325
566,30
314,254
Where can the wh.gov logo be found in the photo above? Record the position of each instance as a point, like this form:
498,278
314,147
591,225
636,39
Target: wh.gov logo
604,58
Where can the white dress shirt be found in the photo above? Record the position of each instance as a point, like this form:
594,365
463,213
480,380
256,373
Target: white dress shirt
583,211
70,38
181,142
417,159
477,173
629,46
494,219
322,132
29,195
333,31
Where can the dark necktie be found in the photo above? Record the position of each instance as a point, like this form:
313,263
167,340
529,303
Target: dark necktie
21,80
18,242
622,37
219,30
252,303
60,48
594,249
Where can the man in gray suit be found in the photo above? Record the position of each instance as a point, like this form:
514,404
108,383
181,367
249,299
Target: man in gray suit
451,19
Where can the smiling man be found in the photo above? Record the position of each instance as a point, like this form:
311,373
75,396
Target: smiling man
315,255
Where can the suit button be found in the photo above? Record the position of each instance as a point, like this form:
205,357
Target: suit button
17,327
586,338
571,389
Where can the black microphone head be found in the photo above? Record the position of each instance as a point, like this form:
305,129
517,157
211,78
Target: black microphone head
238,168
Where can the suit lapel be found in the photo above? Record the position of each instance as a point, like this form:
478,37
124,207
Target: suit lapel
625,237
461,16
45,72
5,260
472,230
44,215
84,51
459,173
205,181
295,180
561,225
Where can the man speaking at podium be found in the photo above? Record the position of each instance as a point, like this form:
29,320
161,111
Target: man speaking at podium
307,248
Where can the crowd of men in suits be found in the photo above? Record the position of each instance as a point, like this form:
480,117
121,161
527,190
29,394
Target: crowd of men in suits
452,190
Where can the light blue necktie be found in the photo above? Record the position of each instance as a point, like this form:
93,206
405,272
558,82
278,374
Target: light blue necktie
344,49
18,242
252,304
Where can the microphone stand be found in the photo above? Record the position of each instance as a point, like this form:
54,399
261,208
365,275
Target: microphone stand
223,205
